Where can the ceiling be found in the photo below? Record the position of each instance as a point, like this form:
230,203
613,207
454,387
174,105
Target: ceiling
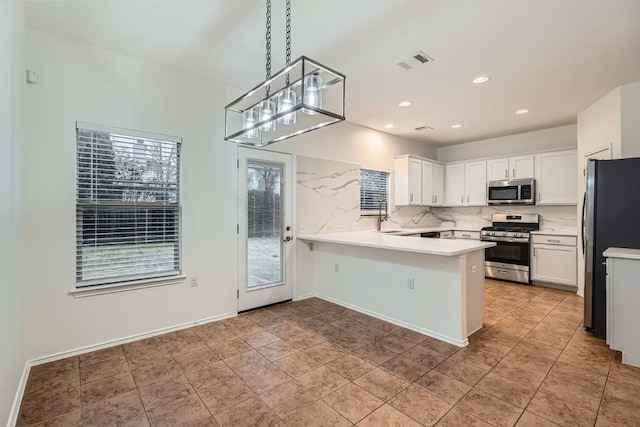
553,57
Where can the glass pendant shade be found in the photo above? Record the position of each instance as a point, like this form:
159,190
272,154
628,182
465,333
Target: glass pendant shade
286,102
267,110
304,85
312,93
249,118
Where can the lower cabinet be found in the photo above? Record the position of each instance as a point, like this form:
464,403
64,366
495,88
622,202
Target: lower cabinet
554,259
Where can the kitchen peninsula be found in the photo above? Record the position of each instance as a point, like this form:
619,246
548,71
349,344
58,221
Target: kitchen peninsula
432,286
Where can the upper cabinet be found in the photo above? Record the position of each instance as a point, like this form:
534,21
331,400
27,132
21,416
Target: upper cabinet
418,182
466,184
517,167
408,181
557,178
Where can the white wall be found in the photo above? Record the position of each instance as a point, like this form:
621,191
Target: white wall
528,142
12,24
348,142
80,82
630,112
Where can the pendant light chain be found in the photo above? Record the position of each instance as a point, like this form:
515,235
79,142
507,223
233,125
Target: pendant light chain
268,36
288,32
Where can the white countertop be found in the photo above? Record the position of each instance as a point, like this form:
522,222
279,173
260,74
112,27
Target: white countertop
570,233
408,231
625,253
370,239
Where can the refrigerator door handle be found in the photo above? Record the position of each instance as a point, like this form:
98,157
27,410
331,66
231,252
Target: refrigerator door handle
584,221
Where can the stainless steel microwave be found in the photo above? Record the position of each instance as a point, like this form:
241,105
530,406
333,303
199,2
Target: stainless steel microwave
512,192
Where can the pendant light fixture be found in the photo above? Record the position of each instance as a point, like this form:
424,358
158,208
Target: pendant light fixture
270,112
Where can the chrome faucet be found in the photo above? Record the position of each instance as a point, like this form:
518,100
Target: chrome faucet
386,214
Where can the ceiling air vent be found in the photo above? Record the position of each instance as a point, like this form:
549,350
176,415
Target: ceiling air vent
423,129
416,59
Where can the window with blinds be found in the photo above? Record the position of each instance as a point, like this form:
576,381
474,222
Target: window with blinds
374,190
128,205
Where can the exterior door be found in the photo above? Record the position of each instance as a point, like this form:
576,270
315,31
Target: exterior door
264,228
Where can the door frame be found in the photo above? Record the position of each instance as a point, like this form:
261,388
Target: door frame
241,266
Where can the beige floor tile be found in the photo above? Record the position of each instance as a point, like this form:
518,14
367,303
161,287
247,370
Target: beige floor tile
277,350
375,353
489,408
405,368
109,387
353,402
561,412
424,356
381,384
156,372
388,416
396,343
209,375
124,409
570,392
351,367
322,381
297,364
621,403
440,346
420,405
479,358
462,372
164,391
446,388
510,391
101,355
317,414
625,374
325,352
197,359
225,394
457,418
103,369
264,378
182,412
230,347
261,338
528,419
70,419
512,370
304,340
246,362
285,398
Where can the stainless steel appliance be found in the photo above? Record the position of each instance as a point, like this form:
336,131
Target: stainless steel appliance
510,258
611,218
512,192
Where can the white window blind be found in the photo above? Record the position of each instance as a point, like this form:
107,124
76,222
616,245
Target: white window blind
128,205
374,190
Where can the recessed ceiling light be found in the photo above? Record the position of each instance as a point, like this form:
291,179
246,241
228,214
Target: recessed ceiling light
405,103
389,126
456,126
481,79
522,111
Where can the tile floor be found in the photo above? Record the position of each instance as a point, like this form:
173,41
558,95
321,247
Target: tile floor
313,363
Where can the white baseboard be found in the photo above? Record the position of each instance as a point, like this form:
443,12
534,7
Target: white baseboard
396,322
15,408
307,296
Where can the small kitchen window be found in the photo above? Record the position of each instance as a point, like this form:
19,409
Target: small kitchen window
374,191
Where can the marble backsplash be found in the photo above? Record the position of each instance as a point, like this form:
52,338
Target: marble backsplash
328,201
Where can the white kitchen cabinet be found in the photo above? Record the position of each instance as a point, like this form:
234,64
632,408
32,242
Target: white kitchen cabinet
623,307
517,167
438,184
475,185
466,184
454,184
462,234
407,181
554,259
432,184
557,178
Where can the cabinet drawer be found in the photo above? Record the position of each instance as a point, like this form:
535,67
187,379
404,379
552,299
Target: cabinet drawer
549,239
466,234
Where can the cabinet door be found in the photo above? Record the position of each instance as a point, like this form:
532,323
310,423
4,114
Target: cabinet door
497,169
454,184
554,264
521,167
475,183
427,184
557,178
415,182
438,185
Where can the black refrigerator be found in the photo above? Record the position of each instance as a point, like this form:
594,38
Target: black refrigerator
611,218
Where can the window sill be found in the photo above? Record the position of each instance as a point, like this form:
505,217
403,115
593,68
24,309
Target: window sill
126,286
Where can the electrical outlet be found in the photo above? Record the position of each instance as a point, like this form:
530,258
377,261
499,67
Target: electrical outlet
194,281
411,283
336,268
474,268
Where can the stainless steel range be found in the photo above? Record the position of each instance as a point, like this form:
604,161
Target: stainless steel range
510,258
